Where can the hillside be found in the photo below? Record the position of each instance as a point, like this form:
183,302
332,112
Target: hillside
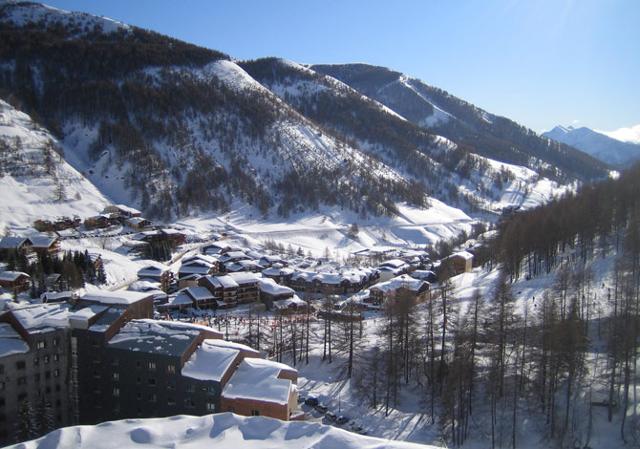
177,129
449,171
222,431
607,149
35,180
442,113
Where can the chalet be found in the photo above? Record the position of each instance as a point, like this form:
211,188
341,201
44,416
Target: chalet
100,221
392,268
14,244
54,282
54,297
215,249
137,223
202,297
197,266
280,274
158,273
15,281
267,261
347,281
179,301
290,306
247,287
271,291
395,287
425,275
173,237
457,263
242,265
122,211
233,256
224,289
261,387
191,280
150,287
43,243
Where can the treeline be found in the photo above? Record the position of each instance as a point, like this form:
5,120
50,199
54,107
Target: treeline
597,216
76,268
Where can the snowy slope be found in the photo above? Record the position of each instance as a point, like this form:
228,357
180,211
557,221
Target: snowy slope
604,147
222,431
28,191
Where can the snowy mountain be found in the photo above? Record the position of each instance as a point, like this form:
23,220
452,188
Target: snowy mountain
222,431
35,180
178,130
598,145
482,132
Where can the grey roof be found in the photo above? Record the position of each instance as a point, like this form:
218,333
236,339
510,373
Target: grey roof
155,337
11,242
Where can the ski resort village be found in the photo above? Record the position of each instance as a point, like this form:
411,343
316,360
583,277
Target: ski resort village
203,250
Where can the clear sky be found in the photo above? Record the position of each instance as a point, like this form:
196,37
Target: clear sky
539,62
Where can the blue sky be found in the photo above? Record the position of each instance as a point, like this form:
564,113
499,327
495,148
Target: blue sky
539,62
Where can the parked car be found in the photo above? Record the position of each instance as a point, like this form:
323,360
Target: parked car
311,401
330,417
341,420
321,408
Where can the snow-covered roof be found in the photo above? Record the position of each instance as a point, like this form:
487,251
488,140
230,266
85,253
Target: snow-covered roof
463,254
393,263
244,277
122,297
10,341
11,276
152,271
225,281
37,318
288,302
199,293
404,281
43,241
56,296
136,220
181,299
195,268
422,274
158,337
277,271
11,242
124,208
257,379
248,350
80,318
144,286
271,287
200,257
210,362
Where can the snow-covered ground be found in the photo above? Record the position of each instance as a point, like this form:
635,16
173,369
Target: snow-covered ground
221,431
27,192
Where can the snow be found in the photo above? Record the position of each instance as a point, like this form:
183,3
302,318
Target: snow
220,431
41,317
27,197
121,297
23,13
404,281
199,293
210,362
10,341
11,276
257,379
233,345
268,285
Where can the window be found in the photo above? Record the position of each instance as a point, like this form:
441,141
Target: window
189,403
138,364
171,369
21,365
1,402
171,401
116,392
47,374
115,362
211,407
36,361
56,357
22,396
152,397
211,389
58,387
45,359
139,395
56,341
22,380
151,381
151,366
36,377
56,373
255,412
116,376
1,386
1,369
41,344
190,388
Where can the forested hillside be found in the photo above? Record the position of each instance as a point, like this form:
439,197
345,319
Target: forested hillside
487,134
